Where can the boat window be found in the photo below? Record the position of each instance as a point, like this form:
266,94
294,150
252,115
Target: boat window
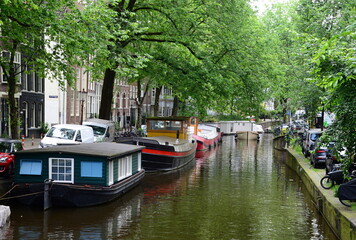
61,169
91,169
124,167
30,167
156,124
173,125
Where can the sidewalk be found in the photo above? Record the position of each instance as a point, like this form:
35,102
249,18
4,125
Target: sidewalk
340,218
29,143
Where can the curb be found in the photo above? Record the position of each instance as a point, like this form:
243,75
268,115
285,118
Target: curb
341,219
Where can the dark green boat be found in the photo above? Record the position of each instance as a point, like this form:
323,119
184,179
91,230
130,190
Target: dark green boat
76,175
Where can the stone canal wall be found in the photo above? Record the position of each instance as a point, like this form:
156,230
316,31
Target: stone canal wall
340,218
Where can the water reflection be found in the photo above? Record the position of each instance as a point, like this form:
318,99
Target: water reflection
107,221
240,190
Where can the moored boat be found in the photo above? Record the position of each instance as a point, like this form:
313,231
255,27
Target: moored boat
169,143
76,176
249,135
208,136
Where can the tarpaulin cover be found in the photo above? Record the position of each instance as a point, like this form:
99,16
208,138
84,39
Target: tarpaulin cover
347,191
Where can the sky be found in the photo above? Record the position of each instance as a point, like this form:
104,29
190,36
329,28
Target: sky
261,4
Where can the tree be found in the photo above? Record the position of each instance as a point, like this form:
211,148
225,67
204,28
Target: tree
201,50
52,37
334,70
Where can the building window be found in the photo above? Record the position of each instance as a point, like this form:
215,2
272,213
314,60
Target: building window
72,103
30,167
124,167
40,114
61,170
24,76
91,169
17,65
33,115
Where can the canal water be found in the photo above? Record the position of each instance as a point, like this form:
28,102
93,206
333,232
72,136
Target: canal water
240,190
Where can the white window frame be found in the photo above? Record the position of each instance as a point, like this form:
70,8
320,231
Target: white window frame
50,173
139,161
124,167
111,173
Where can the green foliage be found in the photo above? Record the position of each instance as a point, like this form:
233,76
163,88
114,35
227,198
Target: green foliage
44,127
53,37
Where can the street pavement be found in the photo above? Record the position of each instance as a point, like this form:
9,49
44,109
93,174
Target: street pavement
30,143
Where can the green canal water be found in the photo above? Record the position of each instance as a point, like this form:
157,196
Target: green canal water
241,190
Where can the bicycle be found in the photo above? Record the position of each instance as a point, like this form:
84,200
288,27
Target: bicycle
335,176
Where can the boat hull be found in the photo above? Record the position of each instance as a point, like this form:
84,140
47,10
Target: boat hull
158,160
248,135
163,154
70,195
204,144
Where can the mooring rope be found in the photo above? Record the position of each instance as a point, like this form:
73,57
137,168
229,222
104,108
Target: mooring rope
19,196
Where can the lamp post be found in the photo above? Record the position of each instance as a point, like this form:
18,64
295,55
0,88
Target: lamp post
83,98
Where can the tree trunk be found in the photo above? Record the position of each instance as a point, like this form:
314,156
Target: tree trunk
13,105
107,94
139,102
14,116
175,106
156,106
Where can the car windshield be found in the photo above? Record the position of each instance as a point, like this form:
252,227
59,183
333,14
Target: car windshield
315,136
5,147
98,131
63,133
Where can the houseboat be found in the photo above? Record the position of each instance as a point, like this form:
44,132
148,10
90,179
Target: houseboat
208,137
76,175
247,130
169,144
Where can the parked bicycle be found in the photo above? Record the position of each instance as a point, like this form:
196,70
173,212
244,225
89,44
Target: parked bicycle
336,176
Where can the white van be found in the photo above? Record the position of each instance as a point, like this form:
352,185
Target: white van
104,130
63,134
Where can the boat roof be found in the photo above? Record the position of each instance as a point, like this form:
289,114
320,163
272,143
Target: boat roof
102,149
172,118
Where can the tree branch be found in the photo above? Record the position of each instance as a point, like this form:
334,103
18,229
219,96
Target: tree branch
173,41
157,10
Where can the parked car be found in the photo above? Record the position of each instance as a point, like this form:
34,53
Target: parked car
319,156
104,130
7,159
309,141
64,134
333,156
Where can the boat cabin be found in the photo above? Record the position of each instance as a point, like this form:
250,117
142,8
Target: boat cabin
102,164
174,127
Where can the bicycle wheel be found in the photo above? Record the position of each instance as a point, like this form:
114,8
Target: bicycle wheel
326,182
346,203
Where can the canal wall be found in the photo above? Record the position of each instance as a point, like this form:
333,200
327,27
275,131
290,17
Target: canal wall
340,218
